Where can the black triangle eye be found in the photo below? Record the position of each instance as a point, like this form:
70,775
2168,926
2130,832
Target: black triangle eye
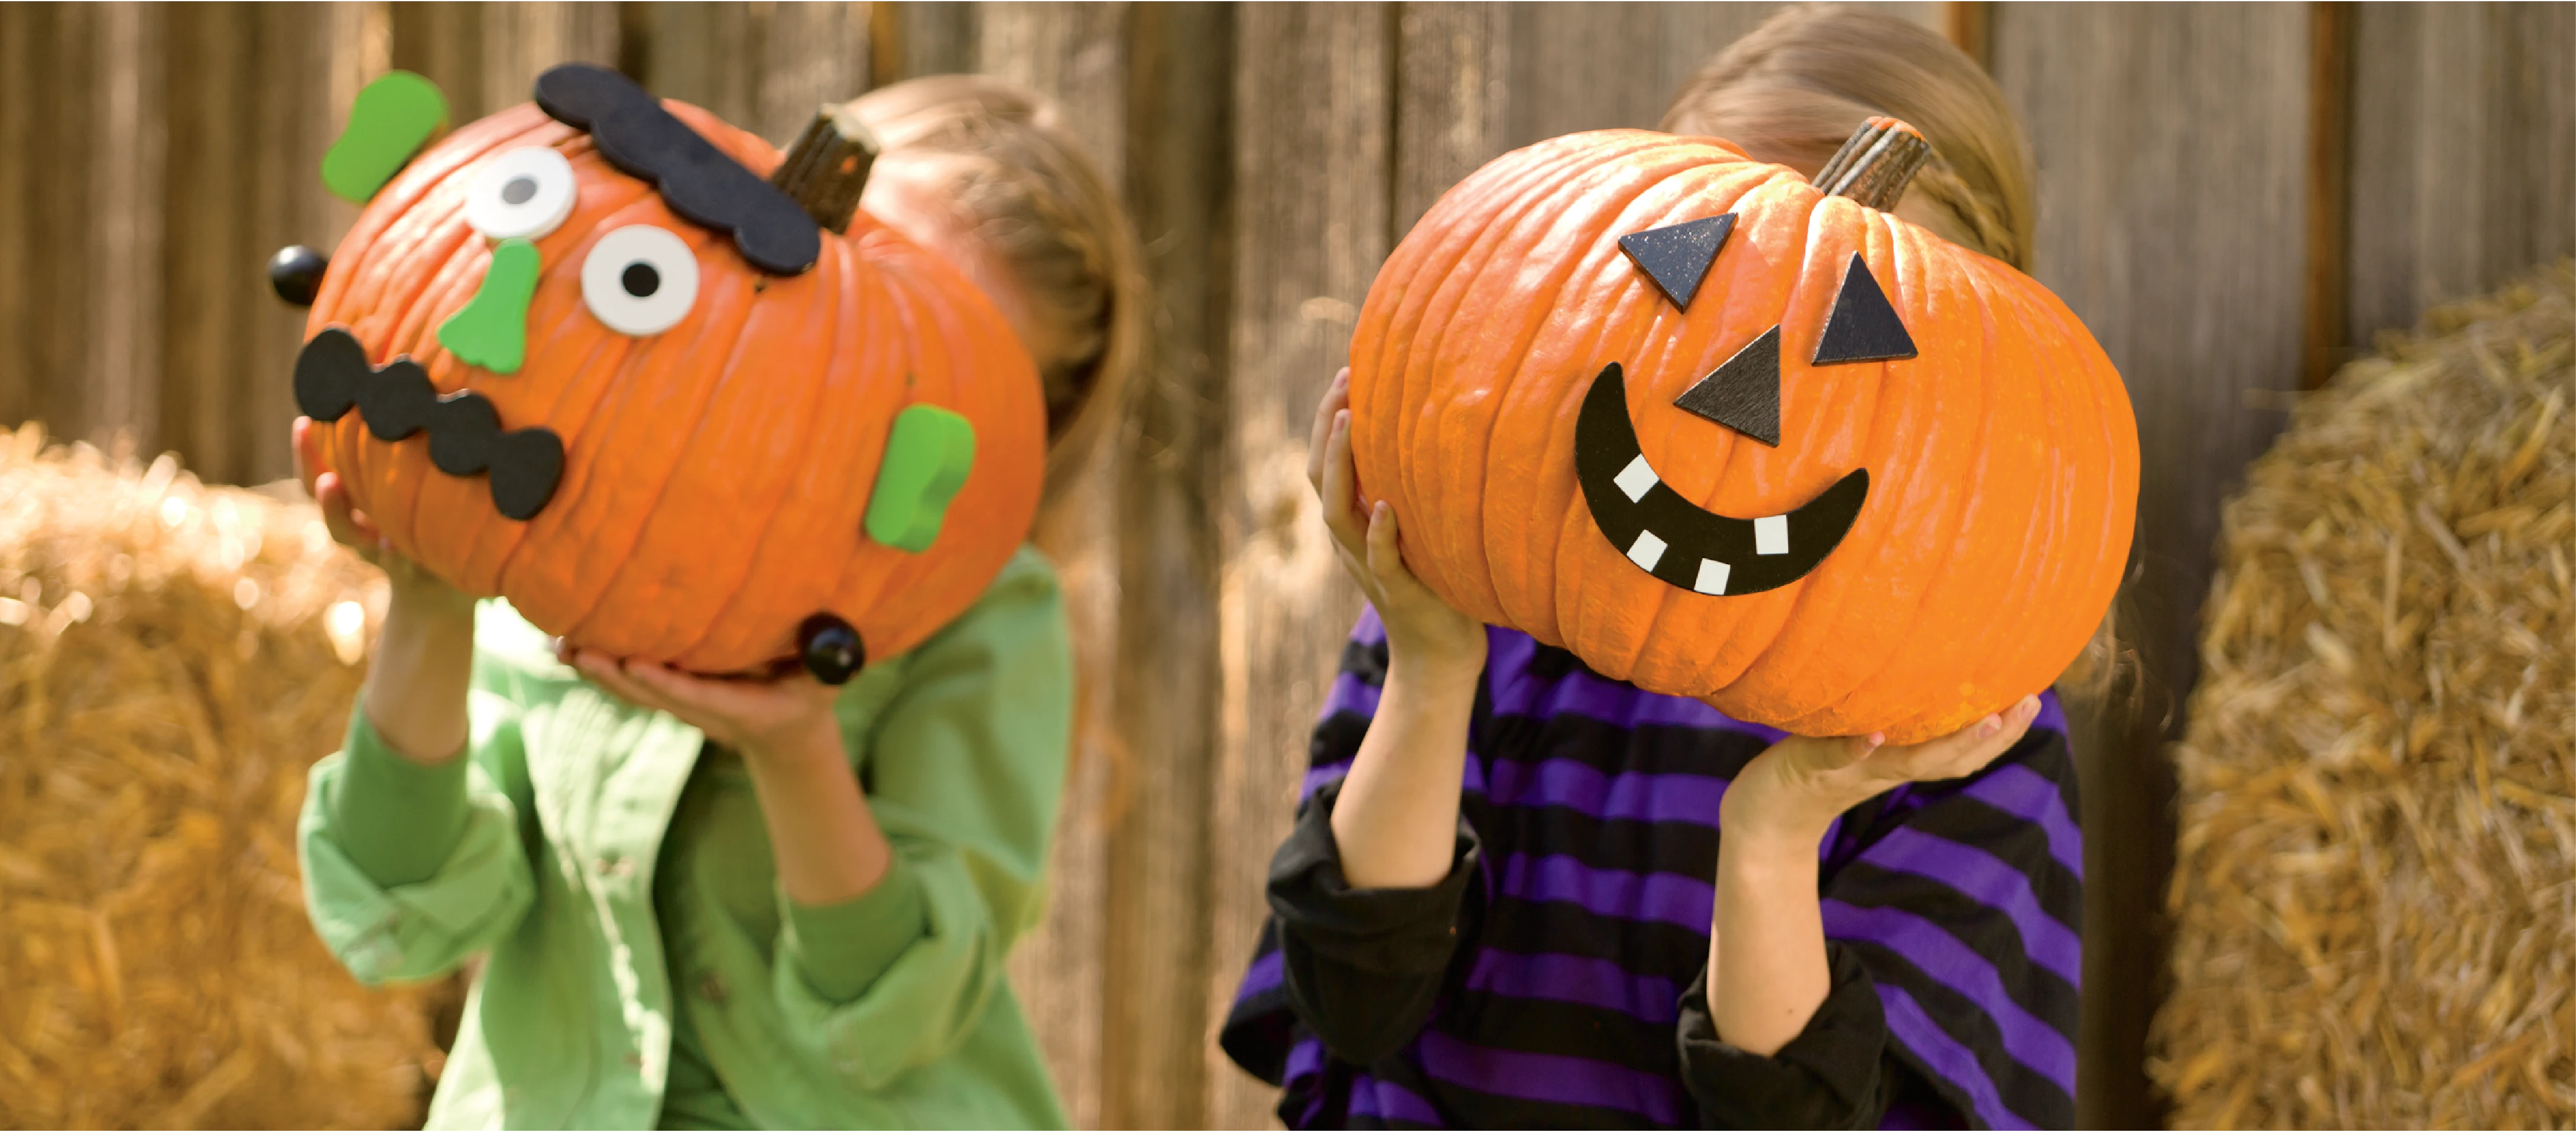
1743,394
1863,326
1677,256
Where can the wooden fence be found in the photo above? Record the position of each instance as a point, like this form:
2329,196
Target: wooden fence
2230,195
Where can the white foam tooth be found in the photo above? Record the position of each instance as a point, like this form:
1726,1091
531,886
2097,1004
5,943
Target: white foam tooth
1636,479
1646,551
1771,535
1712,577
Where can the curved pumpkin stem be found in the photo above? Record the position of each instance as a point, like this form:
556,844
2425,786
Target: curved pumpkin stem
1875,165
827,168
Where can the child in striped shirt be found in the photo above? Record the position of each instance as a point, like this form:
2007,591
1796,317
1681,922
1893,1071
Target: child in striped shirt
1506,900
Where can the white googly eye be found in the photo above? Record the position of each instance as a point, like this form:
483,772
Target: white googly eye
640,280
522,194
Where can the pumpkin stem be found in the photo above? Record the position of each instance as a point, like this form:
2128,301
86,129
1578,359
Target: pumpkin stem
1874,166
828,166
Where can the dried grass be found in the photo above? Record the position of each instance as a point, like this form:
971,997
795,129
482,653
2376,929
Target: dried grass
172,658
2375,891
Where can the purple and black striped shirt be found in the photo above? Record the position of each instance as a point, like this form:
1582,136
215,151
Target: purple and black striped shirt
1595,809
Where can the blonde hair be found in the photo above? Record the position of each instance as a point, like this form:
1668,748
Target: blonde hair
1007,158
1795,88
1793,91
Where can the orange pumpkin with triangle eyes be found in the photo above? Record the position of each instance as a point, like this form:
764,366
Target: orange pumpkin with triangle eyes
586,355
1728,434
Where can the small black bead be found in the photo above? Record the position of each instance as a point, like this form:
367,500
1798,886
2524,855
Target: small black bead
830,648
296,274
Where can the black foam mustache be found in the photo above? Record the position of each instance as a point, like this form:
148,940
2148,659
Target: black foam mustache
698,181
465,434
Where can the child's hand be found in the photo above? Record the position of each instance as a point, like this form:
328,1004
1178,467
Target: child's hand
1421,629
783,717
414,589
1795,790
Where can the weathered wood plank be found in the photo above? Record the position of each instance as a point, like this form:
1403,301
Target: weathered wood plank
214,263
930,37
486,56
1071,972
336,47
22,131
1162,877
60,218
2464,152
2175,227
1477,80
126,229
764,67
1312,221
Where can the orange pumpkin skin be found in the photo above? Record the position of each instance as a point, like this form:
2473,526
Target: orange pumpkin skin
716,473
2003,458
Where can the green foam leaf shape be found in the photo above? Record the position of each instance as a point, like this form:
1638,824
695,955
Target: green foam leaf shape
492,330
391,120
927,457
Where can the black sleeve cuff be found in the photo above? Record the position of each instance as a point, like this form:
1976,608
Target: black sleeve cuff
1362,967
1832,1075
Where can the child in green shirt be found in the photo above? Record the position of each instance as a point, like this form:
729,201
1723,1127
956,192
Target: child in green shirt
731,904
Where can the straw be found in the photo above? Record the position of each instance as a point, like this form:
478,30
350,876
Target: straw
172,658
2374,897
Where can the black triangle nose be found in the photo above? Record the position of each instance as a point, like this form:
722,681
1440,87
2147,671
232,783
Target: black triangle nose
1743,394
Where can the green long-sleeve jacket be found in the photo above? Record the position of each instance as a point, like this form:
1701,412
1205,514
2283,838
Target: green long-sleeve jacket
550,847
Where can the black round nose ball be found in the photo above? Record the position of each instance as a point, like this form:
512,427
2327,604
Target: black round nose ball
296,273
830,649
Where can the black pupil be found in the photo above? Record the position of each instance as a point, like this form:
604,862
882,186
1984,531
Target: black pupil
519,190
641,280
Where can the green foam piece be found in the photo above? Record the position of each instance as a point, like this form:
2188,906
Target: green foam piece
392,119
492,330
927,457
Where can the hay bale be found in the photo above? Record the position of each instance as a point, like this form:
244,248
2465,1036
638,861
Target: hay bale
172,658
2375,891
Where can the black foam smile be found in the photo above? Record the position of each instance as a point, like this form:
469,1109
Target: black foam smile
1677,540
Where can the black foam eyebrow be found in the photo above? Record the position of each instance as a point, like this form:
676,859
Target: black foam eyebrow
696,179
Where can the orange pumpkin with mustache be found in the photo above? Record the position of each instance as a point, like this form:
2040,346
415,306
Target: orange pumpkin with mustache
1731,435
661,419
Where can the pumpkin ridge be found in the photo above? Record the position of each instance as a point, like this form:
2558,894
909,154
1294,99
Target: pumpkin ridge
1932,617
560,323
732,572
1786,674
1535,176
842,404
1785,203
2051,640
402,466
353,456
497,548
1942,535
1747,309
1525,371
1717,186
629,527
623,469
1983,634
1549,176
394,205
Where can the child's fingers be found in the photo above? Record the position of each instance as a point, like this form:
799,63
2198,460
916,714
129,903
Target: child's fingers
1969,749
612,678
308,452
1336,397
347,527
1338,492
1385,552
